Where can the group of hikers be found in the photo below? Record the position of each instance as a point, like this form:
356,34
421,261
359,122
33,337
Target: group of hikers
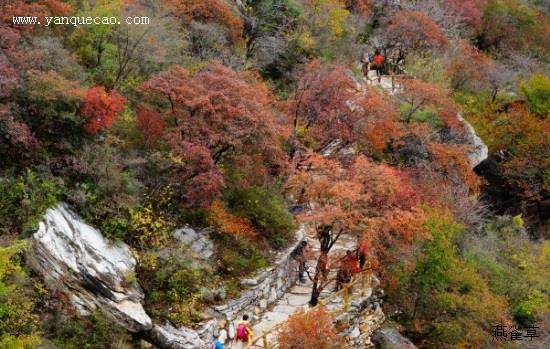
351,264
391,62
373,62
243,336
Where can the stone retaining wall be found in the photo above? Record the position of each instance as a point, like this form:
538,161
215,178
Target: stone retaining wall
260,292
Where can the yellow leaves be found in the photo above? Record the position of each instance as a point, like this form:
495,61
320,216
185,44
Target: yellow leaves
331,14
185,311
229,223
150,227
337,21
518,221
306,41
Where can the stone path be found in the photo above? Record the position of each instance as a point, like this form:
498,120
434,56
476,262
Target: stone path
298,296
385,82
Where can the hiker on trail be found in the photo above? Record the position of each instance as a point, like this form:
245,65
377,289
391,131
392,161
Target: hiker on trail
244,334
323,265
366,60
299,255
377,64
215,344
348,268
362,254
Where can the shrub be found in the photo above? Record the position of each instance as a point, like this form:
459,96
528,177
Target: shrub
23,201
18,323
238,256
173,286
151,226
265,209
537,93
310,330
92,332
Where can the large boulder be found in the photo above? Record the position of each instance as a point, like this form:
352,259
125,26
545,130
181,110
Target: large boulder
479,150
169,337
198,242
74,258
390,338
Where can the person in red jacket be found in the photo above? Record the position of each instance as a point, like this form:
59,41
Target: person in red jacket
378,64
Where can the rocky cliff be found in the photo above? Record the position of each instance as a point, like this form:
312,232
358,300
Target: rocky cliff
74,258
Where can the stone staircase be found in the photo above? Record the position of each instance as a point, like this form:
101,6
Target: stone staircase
298,296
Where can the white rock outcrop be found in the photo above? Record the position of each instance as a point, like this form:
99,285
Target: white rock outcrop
198,242
74,258
169,337
479,151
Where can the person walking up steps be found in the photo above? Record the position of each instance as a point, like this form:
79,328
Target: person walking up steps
215,344
378,64
244,334
299,255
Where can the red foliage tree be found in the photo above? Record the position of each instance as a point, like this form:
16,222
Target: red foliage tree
16,139
309,330
197,180
321,104
472,70
228,114
216,11
377,124
99,109
452,163
469,11
416,31
151,125
343,198
418,94
363,7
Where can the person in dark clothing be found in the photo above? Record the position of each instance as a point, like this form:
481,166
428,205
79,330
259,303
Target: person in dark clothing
362,254
378,64
299,255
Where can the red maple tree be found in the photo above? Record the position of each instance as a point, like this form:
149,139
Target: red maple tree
216,11
227,116
151,125
320,106
100,108
416,31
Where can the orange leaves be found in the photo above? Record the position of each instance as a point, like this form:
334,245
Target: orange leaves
452,162
321,102
59,8
363,7
228,113
467,66
151,125
100,108
229,223
216,11
417,31
418,94
309,330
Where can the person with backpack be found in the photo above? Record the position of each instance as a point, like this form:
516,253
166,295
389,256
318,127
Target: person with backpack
215,344
378,64
299,255
244,333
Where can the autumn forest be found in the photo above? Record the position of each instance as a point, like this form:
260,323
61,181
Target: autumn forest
245,121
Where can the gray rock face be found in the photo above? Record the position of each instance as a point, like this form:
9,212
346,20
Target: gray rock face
73,257
169,337
198,242
390,338
479,150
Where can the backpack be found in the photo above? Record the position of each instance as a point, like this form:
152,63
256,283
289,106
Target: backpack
242,332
